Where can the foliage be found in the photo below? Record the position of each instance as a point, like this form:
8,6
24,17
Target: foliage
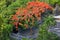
29,16
7,9
43,30
52,2
4,29
2,5
5,13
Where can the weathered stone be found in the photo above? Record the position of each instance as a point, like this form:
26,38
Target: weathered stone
25,34
55,29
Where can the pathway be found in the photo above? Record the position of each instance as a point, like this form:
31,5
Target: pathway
56,28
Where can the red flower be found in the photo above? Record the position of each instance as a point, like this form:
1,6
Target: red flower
41,3
16,24
31,3
32,11
15,17
18,12
26,25
25,11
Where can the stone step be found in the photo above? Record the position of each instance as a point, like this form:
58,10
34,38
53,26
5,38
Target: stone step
58,24
55,29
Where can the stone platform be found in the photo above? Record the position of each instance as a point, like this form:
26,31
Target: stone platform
56,29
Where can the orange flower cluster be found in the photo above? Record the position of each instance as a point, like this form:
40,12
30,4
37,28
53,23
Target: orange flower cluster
38,6
27,16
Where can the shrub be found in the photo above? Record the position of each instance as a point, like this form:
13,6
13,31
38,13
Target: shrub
6,12
29,16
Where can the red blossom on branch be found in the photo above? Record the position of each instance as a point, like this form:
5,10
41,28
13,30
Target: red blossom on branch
31,13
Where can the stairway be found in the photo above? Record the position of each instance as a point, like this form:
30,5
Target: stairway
56,29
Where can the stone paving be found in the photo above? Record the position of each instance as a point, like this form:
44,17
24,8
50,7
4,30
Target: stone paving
19,35
56,29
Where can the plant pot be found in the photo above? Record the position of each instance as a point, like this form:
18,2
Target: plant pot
28,33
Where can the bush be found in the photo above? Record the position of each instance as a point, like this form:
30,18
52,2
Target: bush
29,16
6,12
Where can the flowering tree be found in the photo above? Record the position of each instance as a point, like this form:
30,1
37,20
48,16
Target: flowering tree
27,17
